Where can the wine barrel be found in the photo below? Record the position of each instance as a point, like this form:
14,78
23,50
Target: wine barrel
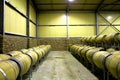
113,65
14,53
91,52
34,57
84,50
110,50
92,39
24,50
110,38
4,57
23,61
100,38
99,58
117,37
74,48
44,50
40,54
79,50
48,47
9,70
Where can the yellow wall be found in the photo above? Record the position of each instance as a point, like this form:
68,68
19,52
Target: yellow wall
32,30
14,22
59,18
19,4
77,31
52,18
32,13
109,30
81,18
53,31
113,17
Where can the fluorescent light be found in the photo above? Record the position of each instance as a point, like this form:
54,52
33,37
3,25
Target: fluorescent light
109,17
70,0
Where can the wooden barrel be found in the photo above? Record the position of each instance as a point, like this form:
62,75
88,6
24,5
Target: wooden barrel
115,52
84,50
9,70
113,65
4,57
88,39
48,47
73,48
92,39
40,54
34,56
30,49
23,61
117,37
110,38
110,50
81,39
76,49
14,53
43,50
99,58
100,38
79,50
91,52
24,50
40,46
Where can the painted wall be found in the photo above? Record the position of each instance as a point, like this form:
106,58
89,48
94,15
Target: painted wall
14,22
79,31
32,13
77,18
19,4
52,18
81,18
58,19
32,30
113,18
52,31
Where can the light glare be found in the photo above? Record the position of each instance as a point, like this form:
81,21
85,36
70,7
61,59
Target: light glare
70,0
109,17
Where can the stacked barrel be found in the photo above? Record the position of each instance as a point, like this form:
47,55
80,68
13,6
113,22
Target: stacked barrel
100,52
15,64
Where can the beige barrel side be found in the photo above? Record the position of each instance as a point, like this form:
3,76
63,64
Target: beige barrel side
99,58
23,61
9,70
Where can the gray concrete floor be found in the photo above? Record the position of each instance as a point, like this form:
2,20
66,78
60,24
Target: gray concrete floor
61,65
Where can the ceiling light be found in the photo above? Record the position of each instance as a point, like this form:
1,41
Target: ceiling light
70,0
109,17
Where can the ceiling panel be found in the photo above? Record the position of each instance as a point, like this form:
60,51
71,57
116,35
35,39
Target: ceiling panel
111,7
58,1
110,1
77,4
42,1
78,1
92,7
76,7
59,7
44,7
93,1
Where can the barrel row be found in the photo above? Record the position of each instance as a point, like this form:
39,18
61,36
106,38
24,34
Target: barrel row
108,60
107,39
15,64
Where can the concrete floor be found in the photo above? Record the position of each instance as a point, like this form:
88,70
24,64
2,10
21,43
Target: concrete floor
61,65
